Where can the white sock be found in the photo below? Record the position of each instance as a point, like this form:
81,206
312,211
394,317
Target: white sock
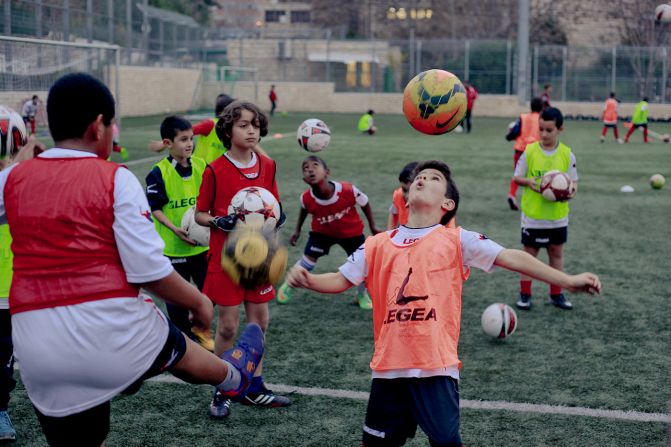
232,380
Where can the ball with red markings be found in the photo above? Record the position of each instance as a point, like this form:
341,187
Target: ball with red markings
557,186
499,320
434,102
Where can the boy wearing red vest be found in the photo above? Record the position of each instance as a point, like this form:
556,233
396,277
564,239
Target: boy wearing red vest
172,189
335,220
240,129
398,211
524,132
83,244
609,117
545,223
415,275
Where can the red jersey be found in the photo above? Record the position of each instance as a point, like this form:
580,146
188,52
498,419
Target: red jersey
64,247
203,128
336,217
221,181
471,95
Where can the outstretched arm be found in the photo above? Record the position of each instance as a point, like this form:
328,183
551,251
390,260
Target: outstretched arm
322,283
522,262
368,212
302,215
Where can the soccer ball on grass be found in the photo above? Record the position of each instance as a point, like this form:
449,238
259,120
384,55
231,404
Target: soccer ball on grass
499,320
657,181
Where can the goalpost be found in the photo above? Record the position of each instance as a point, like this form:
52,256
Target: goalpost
31,66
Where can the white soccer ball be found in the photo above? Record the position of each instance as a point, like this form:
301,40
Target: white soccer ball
499,320
313,135
195,231
13,133
254,205
557,186
663,13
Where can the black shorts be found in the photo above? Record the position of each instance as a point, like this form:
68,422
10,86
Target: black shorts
544,237
397,406
90,427
319,244
644,125
610,126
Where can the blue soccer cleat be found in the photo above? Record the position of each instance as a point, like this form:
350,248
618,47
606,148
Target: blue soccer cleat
245,356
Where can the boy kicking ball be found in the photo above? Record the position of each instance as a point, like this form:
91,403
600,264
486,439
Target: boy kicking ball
84,243
414,275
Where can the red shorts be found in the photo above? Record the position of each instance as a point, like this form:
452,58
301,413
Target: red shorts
224,292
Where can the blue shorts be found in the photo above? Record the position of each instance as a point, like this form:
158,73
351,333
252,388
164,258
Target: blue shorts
397,406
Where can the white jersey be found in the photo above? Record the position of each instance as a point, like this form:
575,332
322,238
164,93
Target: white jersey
96,349
521,171
476,251
29,109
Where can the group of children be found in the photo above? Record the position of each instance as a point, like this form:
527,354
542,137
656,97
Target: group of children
112,337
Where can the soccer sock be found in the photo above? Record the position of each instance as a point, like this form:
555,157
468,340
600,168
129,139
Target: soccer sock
525,287
629,132
554,290
256,385
513,189
604,131
615,133
232,380
361,288
645,134
306,264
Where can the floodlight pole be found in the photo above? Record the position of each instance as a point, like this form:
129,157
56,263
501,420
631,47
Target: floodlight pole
522,50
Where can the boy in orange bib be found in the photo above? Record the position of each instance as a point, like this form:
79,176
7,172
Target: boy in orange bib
414,275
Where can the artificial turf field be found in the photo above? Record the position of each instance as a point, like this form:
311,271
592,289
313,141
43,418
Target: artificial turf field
611,352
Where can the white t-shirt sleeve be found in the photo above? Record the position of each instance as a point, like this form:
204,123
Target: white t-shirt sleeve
478,251
522,167
573,170
355,268
393,209
140,246
361,198
3,181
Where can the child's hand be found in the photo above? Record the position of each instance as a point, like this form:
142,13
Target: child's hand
298,277
294,238
201,313
183,235
585,283
535,184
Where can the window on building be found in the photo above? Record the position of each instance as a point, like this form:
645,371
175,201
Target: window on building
274,15
350,76
300,16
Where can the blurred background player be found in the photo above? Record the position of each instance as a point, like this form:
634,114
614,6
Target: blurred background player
240,129
116,145
524,132
471,96
546,96
545,223
272,96
335,220
415,275
104,337
29,112
639,119
609,117
366,124
172,188
398,211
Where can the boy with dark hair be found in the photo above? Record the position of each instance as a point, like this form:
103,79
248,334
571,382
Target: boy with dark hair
366,124
639,119
545,223
240,129
524,132
545,96
335,220
29,112
398,211
609,117
83,245
172,188
415,275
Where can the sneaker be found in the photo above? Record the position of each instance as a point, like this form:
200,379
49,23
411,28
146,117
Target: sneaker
124,154
284,293
620,141
220,407
524,301
203,338
560,301
363,300
513,204
265,398
602,138
245,356
7,432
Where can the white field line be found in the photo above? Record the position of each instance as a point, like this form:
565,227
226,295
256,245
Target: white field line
635,416
153,158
